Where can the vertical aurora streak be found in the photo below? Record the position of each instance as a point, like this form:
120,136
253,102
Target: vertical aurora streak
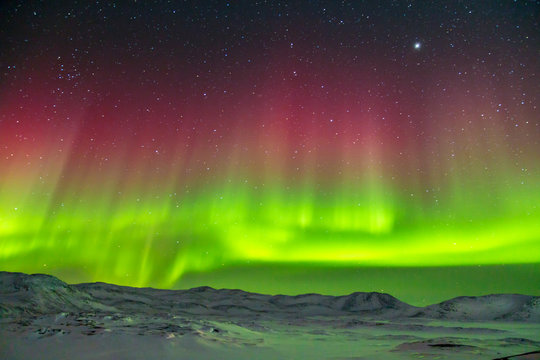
134,155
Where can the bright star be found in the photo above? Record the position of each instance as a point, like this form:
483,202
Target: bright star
417,45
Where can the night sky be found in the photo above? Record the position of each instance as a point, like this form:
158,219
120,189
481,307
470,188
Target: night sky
277,147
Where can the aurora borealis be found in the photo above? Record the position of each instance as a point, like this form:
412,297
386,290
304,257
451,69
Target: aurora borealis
146,143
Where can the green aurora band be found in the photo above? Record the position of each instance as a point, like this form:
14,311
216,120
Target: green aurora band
155,240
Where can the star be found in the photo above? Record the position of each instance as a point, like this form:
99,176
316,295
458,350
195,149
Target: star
417,45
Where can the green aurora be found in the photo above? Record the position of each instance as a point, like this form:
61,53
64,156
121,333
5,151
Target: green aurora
158,240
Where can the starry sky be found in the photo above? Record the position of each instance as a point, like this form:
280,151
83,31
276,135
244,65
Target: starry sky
277,147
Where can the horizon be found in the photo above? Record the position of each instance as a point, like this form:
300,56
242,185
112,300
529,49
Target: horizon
513,281
275,294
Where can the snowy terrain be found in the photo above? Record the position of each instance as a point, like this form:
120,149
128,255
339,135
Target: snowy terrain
43,317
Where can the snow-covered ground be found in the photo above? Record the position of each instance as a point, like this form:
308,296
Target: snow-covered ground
42,317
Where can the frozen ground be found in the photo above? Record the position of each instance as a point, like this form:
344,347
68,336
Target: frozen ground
42,317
